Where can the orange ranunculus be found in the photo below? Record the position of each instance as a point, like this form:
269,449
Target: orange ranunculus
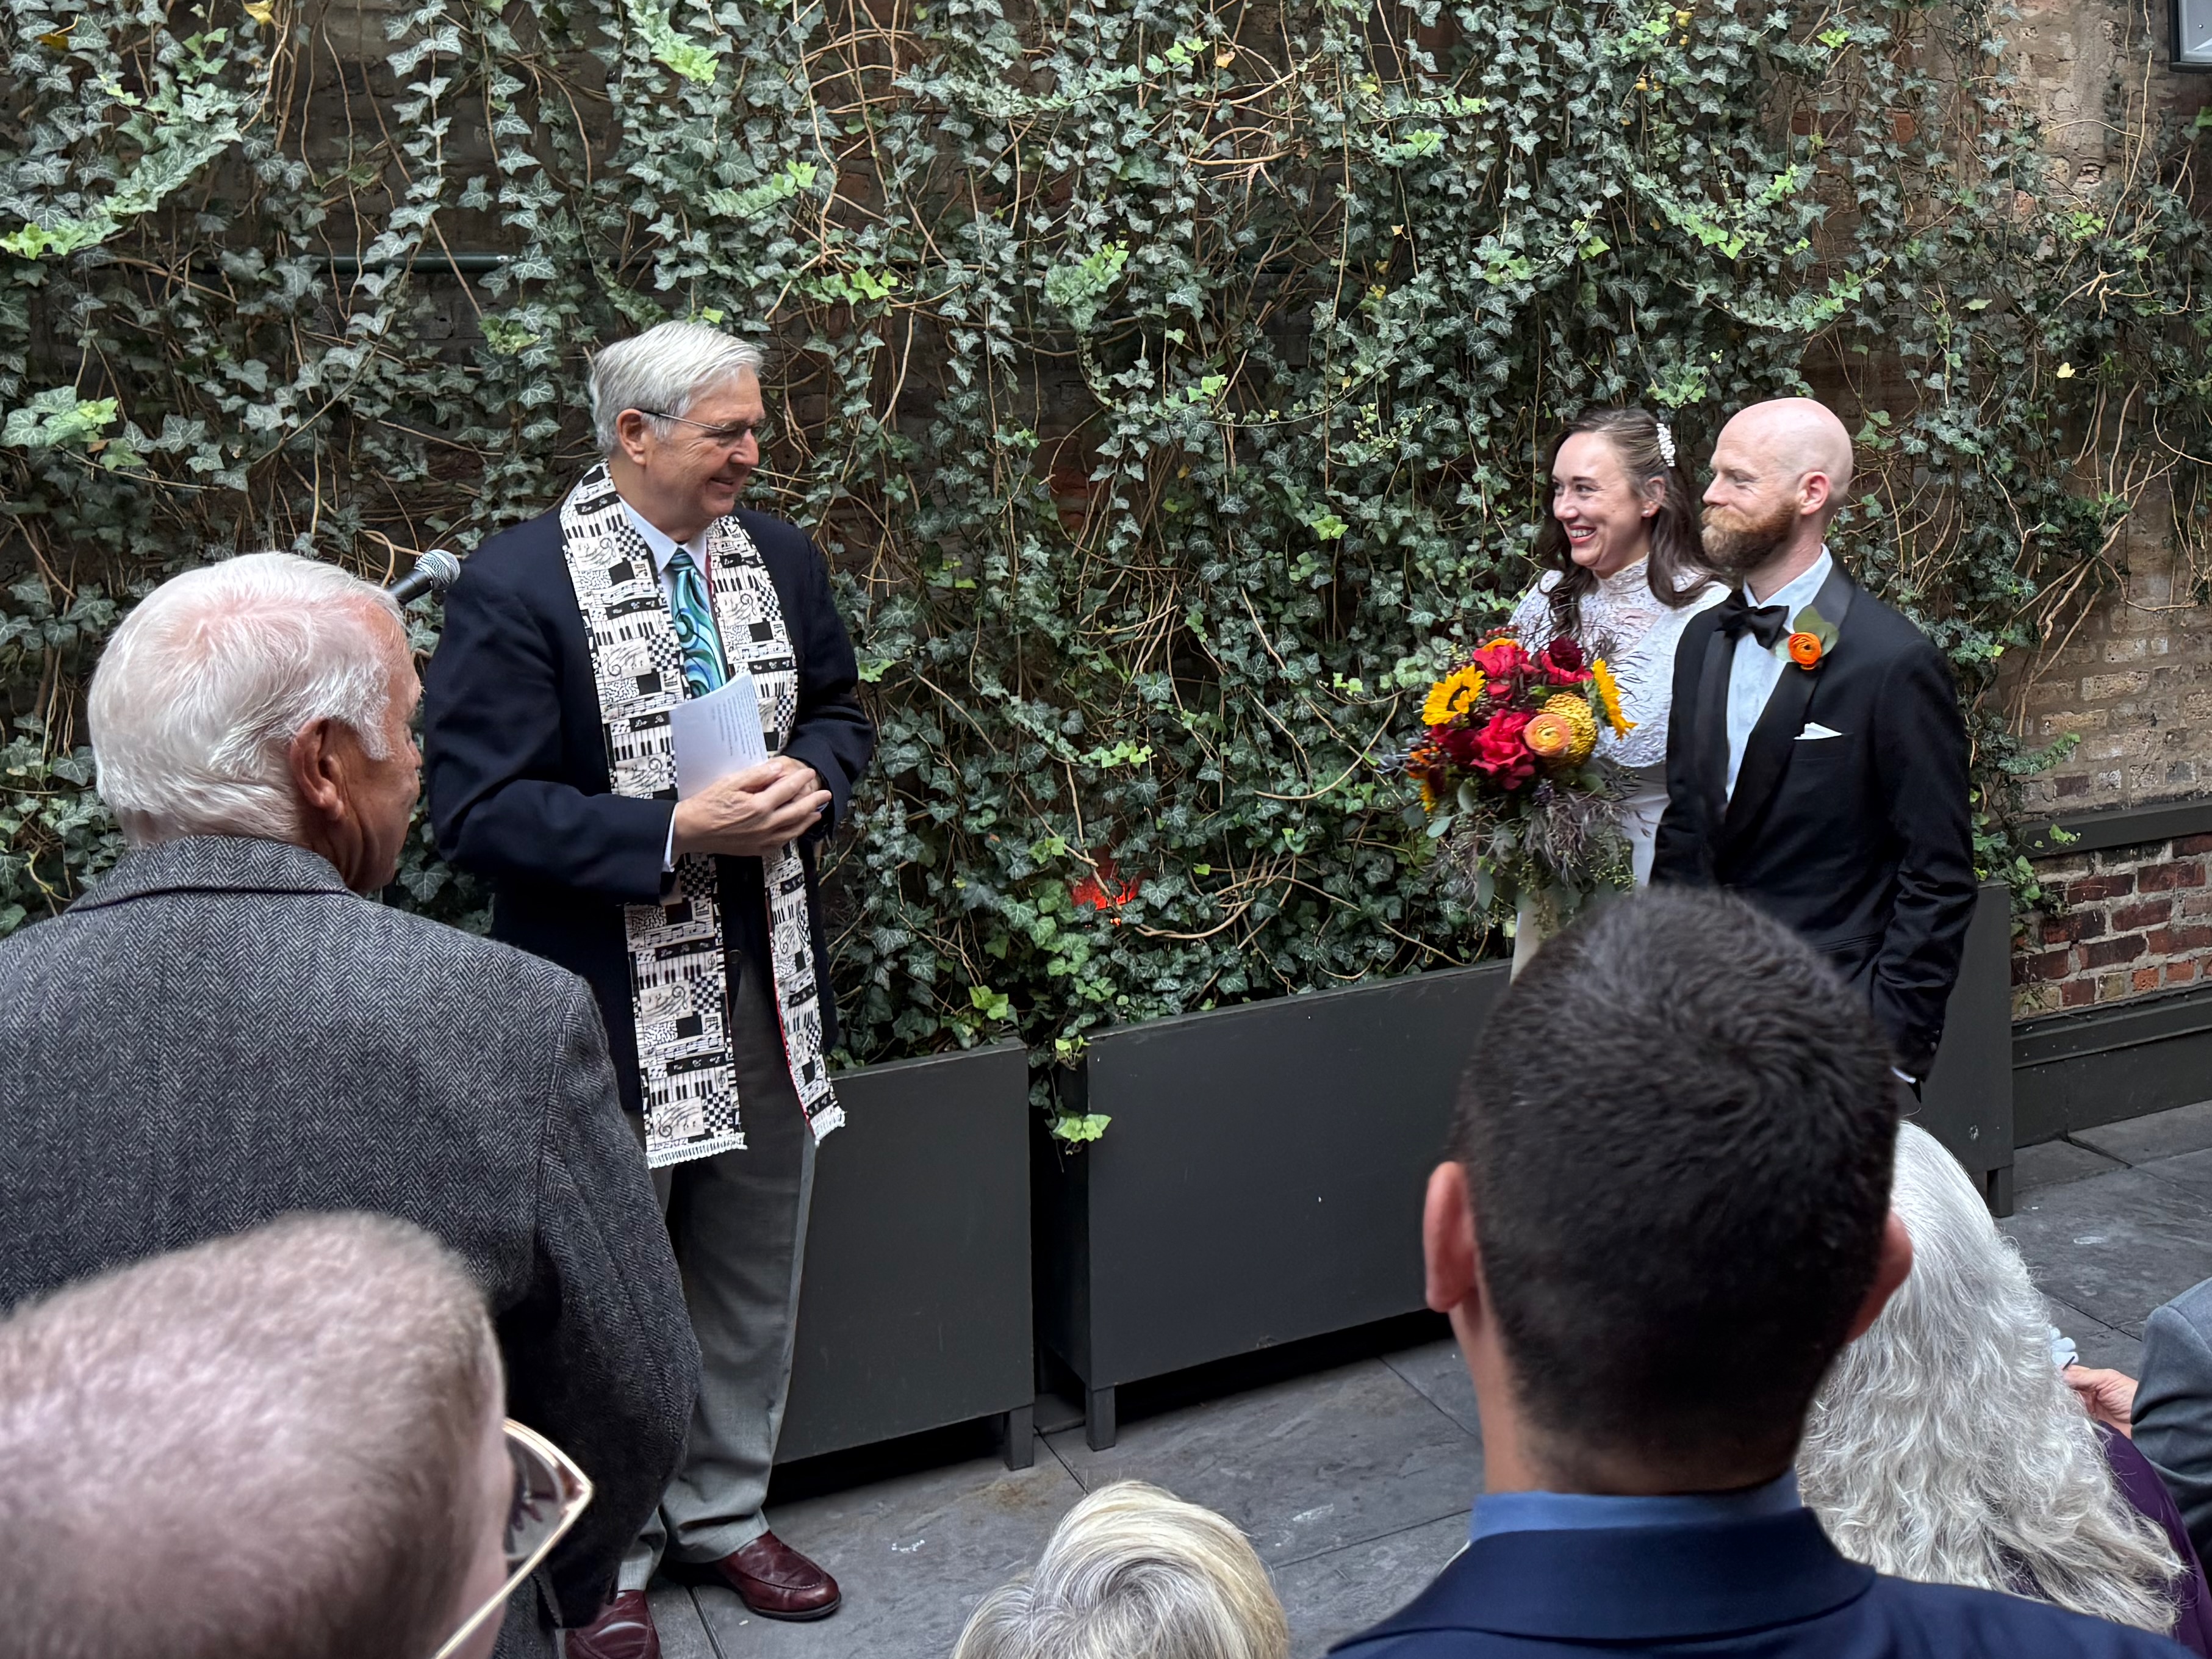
1804,649
1548,736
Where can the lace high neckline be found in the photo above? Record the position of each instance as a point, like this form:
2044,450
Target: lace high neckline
1627,578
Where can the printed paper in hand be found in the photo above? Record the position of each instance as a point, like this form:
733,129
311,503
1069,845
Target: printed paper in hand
716,735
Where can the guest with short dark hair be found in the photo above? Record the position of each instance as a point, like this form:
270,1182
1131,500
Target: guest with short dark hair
284,1444
1134,1572
225,1028
1946,1446
1666,1212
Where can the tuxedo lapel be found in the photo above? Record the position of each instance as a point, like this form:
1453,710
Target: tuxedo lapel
1709,753
1766,754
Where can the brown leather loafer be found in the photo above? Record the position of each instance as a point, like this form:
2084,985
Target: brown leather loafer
623,1630
776,1582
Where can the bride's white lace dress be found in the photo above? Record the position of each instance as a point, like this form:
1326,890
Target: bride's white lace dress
1639,634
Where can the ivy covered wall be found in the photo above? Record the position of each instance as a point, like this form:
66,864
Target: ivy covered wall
1165,380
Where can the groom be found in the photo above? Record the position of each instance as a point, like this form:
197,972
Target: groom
1816,763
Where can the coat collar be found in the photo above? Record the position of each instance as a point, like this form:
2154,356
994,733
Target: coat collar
1636,1584
218,864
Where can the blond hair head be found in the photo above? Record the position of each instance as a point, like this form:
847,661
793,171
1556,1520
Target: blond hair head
1134,1572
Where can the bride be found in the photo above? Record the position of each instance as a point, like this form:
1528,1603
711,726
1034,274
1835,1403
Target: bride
1626,575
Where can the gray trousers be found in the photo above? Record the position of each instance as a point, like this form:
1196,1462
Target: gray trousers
738,1224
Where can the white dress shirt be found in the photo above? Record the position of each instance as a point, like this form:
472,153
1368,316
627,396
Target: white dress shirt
1756,670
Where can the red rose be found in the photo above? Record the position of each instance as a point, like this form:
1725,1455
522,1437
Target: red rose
1457,743
1501,660
1564,664
1500,753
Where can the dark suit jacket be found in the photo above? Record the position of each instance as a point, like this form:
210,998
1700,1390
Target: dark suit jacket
1863,842
218,1033
1774,1588
2174,1405
515,761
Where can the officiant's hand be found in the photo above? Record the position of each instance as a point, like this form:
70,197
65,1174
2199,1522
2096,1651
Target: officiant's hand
750,813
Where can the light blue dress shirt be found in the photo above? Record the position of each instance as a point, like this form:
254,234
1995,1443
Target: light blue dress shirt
1757,671
1570,1511
663,548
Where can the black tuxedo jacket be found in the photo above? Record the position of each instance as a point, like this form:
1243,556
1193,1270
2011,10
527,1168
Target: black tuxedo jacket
515,761
1768,1589
1863,842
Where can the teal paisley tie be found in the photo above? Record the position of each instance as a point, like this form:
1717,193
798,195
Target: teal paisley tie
695,626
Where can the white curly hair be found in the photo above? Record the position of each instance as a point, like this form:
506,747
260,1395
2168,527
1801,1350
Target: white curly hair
1946,1447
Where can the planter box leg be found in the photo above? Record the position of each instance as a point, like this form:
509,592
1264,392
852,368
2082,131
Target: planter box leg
1999,1185
1019,1428
1098,1429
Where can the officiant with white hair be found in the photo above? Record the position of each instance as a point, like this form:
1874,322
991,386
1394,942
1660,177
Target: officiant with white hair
558,713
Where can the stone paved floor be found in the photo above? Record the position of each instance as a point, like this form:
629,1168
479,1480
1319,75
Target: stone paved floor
1353,1479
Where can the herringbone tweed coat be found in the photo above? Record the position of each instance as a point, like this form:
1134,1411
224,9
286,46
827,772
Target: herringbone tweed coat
219,1033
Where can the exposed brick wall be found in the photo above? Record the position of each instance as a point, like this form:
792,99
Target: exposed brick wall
2130,675
2125,922
2134,685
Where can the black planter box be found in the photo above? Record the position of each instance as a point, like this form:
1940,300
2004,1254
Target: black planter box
1261,1180
914,1309
1966,1099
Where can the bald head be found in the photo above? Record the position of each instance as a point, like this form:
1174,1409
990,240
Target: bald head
1781,471
1795,436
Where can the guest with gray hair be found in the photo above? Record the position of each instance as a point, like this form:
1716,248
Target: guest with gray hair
686,895
292,1439
219,1032
1947,1447
1134,1572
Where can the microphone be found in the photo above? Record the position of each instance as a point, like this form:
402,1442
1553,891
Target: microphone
434,573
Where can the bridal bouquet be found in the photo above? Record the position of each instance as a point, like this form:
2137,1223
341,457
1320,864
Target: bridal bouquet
1514,788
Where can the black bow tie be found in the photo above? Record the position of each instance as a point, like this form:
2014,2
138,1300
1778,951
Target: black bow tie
1766,623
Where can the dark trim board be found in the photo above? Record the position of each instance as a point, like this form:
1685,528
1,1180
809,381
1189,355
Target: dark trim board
2124,826
2098,1066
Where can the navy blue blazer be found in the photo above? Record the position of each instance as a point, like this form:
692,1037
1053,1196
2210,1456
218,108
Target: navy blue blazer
1773,1587
516,764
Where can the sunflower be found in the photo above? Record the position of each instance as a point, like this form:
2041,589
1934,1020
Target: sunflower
1608,694
1452,696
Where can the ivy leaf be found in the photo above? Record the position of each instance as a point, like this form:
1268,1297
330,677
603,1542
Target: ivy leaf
57,418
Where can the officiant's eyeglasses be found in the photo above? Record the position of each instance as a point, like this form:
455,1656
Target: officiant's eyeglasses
550,1493
722,437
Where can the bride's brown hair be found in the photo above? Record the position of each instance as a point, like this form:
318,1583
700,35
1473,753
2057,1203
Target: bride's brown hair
1677,548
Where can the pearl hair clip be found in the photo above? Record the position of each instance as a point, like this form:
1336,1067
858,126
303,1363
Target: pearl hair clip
1666,443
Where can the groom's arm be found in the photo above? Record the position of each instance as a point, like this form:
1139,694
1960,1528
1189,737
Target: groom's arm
1920,764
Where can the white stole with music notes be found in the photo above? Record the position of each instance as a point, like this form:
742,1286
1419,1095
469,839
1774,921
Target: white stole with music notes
679,983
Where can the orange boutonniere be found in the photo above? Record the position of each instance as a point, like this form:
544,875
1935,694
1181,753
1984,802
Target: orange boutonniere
1812,636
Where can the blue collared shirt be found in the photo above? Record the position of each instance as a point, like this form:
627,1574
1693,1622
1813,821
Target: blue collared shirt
663,546
1756,670
1568,1511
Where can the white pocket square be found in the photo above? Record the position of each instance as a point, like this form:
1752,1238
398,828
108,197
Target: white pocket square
1814,729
